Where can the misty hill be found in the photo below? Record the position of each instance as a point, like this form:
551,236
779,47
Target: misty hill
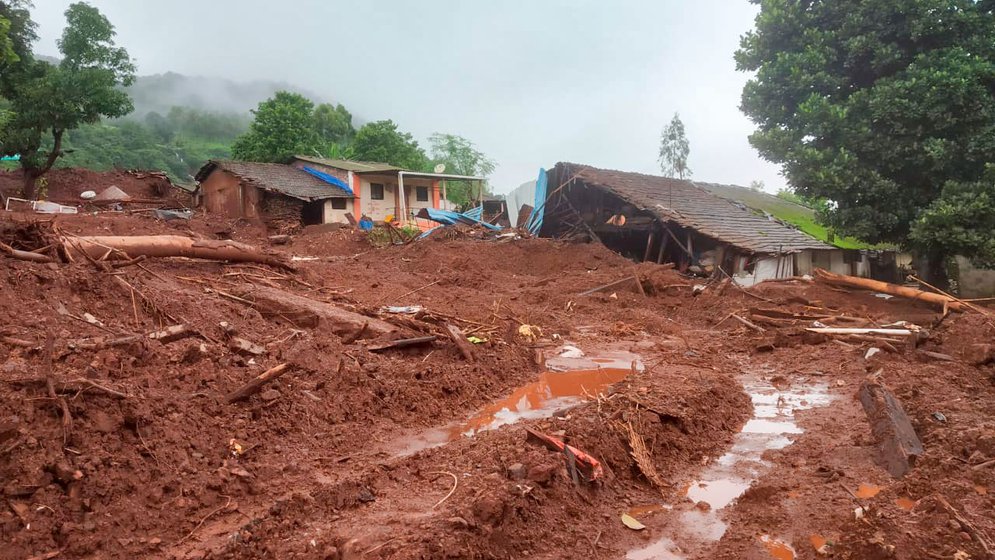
161,92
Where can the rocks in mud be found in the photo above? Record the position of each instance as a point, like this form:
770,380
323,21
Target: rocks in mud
543,475
517,471
489,509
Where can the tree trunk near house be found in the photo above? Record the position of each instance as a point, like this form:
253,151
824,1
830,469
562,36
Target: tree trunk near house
32,172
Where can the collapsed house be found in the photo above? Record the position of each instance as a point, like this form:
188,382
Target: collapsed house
321,191
665,220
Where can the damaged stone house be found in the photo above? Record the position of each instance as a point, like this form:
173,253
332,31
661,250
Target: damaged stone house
271,192
664,220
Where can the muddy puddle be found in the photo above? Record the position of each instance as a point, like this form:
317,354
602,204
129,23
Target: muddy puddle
571,377
772,427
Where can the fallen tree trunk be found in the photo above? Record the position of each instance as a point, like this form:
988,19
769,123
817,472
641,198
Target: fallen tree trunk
309,313
886,288
898,444
127,247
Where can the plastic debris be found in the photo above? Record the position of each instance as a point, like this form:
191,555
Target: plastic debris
632,522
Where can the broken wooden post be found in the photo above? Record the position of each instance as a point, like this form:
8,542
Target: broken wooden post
253,387
898,444
402,343
459,339
172,333
636,285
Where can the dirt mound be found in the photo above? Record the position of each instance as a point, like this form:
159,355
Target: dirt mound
117,445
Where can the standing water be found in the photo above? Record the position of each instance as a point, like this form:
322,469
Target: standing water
770,428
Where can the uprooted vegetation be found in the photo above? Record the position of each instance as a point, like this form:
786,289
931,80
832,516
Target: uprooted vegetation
177,407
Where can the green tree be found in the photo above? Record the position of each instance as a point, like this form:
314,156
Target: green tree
460,157
282,128
333,123
884,107
47,100
674,150
6,44
961,221
380,141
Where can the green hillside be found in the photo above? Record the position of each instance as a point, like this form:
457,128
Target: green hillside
802,217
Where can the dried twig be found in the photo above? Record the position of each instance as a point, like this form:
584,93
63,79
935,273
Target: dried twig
206,517
455,485
967,526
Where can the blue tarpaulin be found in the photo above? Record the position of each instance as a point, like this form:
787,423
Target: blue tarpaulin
15,157
330,179
476,213
534,224
445,217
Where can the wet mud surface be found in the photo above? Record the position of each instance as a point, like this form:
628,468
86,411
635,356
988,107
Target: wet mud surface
755,440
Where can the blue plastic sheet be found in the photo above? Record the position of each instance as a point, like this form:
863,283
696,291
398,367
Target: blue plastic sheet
534,223
445,217
330,179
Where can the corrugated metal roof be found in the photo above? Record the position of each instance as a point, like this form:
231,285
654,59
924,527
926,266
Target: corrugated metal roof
276,177
688,205
349,165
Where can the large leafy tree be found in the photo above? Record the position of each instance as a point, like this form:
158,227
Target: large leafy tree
47,100
333,123
674,150
380,141
884,107
460,157
283,127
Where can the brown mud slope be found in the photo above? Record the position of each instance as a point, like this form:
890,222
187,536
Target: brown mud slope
114,445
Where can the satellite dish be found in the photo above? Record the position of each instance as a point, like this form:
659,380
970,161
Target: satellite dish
441,168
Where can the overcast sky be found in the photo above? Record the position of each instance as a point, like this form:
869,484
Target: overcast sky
530,82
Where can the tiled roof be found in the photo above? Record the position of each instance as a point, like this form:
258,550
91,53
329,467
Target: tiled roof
276,177
691,206
349,165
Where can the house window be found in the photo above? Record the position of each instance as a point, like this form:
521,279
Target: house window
376,191
338,204
421,194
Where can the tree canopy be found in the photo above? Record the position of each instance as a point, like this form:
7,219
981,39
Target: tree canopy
381,141
47,100
674,150
460,157
282,128
886,108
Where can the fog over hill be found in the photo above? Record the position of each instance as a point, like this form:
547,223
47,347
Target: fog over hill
160,92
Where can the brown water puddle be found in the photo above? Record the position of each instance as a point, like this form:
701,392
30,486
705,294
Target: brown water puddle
572,378
908,504
778,550
726,479
866,491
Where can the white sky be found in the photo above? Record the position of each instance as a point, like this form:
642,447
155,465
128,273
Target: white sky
531,82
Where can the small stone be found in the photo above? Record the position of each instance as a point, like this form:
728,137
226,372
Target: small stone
703,506
366,496
954,525
270,395
965,536
517,472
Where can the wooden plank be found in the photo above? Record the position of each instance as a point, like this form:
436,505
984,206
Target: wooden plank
402,343
458,338
898,444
